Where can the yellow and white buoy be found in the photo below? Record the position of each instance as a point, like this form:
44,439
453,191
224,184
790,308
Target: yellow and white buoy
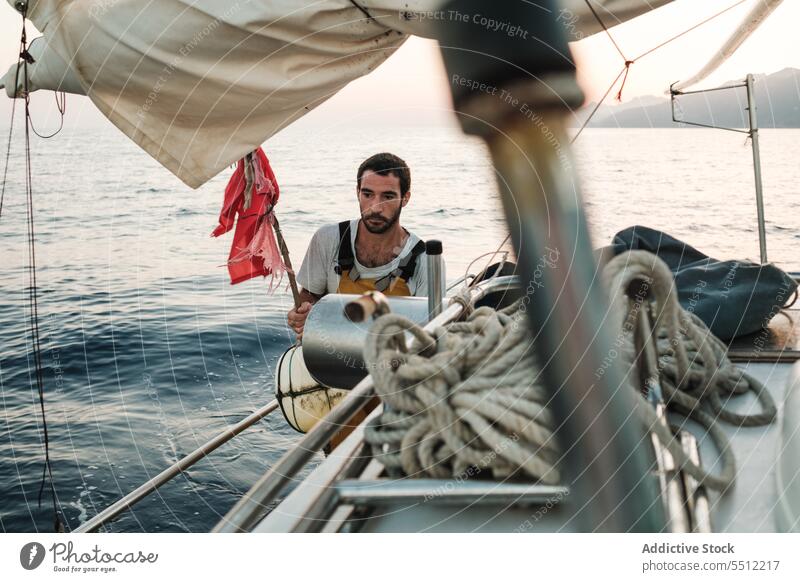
303,400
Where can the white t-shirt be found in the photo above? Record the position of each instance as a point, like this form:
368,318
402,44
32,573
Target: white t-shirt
318,276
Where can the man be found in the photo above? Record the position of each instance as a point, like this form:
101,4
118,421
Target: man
373,252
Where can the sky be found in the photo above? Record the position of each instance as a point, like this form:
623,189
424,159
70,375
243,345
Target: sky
414,75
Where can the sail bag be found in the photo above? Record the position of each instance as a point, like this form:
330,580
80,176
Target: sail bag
733,298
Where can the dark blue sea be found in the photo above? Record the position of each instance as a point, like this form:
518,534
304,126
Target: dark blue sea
148,351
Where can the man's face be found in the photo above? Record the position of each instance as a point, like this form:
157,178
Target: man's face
380,200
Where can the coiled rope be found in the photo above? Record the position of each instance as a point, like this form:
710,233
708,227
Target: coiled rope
695,374
467,398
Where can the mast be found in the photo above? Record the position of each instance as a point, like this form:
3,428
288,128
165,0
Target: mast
516,95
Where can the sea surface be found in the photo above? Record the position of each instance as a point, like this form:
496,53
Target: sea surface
148,351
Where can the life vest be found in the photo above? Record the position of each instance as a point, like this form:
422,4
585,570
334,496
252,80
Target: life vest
393,283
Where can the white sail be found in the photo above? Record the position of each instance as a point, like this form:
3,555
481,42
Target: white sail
199,83
755,18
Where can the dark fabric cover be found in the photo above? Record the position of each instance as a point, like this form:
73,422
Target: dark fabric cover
733,298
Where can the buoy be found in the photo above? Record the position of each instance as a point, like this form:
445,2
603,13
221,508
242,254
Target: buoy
303,400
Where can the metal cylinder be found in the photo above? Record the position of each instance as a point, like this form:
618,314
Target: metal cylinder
244,515
333,345
697,501
433,248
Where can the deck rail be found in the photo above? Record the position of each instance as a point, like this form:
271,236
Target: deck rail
247,512
166,475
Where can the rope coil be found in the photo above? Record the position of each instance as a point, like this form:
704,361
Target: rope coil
695,374
467,397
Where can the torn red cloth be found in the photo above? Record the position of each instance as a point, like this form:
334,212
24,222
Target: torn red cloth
254,250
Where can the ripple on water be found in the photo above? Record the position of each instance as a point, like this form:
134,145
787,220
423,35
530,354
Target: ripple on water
148,350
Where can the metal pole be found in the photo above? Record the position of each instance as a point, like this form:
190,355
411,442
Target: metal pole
669,473
433,248
286,260
752,114
607,455
516,93
141,492
697,496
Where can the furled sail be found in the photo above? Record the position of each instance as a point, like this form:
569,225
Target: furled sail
755,18
199,83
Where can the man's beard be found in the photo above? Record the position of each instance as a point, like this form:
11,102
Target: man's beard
384,224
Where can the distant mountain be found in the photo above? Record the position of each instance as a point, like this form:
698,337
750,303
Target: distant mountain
777,99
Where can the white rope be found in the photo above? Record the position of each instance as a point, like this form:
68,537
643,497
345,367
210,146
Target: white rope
467,398
694,372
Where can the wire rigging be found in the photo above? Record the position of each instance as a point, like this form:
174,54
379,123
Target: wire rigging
61,105
26,59
628,62
597,106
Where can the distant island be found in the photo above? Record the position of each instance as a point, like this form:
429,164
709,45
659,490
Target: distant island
777,98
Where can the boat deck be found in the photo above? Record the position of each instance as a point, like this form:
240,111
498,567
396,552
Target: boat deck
748,507
751,504
349,492
780,342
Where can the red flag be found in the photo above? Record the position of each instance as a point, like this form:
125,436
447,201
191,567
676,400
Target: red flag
254,251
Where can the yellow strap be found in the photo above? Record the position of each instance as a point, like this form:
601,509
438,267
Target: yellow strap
398,287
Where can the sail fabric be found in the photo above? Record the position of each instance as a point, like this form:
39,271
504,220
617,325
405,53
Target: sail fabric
755,18
48,71
200,83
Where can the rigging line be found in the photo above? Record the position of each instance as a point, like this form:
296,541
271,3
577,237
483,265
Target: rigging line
61,105
364,11
47,470
599,103
491,255
11,125
8,151
608,32
688,30
629,62
626,70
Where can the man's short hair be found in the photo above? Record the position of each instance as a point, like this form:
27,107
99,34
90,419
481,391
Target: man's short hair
386,164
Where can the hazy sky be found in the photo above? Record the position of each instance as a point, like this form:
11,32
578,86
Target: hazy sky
414,76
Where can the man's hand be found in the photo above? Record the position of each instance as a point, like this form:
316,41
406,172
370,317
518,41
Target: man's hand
297,318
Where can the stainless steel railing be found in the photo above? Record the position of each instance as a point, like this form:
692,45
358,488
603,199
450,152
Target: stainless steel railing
145,489
244,516
752,133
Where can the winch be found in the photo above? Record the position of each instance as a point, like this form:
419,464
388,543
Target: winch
312,378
